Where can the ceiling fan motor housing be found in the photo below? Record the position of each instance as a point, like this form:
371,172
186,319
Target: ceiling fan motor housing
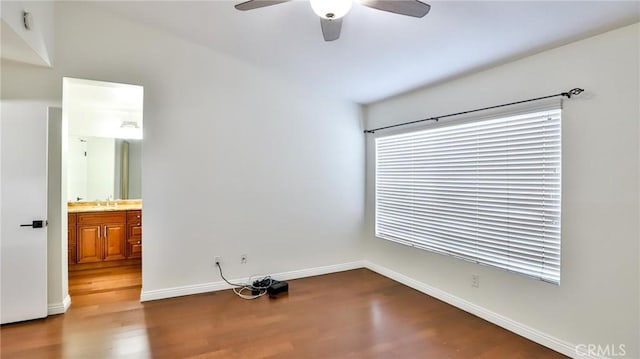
331,9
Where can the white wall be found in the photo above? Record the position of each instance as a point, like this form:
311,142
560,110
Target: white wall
597,301
34,46
236,160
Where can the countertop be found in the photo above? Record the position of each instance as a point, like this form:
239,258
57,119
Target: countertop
94,206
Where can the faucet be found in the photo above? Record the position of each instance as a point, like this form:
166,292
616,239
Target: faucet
108,200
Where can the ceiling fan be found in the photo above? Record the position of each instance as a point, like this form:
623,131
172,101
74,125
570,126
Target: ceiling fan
332,11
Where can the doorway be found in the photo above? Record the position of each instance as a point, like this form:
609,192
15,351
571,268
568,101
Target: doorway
104,186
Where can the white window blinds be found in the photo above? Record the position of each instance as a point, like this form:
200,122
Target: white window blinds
486,191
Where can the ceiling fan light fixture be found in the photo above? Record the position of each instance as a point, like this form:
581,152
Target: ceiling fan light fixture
331,9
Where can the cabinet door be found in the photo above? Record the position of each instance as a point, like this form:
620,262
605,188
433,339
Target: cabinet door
89,244
114,241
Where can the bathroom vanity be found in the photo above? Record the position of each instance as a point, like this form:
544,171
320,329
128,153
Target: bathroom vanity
103,232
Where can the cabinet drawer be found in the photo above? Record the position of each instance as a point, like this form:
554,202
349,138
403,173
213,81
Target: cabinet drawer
134,217
135,249
102,217
135,232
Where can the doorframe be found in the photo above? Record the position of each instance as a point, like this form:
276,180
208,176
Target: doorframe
59,254
58,299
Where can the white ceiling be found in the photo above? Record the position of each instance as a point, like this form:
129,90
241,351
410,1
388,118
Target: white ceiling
380,54
102,109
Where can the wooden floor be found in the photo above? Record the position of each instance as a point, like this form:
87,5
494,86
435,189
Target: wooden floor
354,314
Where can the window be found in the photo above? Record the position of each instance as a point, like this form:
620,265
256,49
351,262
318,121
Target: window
486,191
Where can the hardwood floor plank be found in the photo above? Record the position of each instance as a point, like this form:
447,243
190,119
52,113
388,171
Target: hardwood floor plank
353,314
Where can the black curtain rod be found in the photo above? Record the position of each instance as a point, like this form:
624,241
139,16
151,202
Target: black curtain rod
573,92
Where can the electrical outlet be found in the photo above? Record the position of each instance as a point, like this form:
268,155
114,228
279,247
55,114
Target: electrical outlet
243,259
475,281
216,260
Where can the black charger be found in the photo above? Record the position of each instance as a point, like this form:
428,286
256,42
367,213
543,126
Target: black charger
276,288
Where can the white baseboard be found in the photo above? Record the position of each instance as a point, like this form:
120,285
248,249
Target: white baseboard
147,295
59,308
335,268
532,334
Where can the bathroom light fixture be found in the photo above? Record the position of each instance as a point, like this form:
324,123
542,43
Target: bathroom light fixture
129,124
331,9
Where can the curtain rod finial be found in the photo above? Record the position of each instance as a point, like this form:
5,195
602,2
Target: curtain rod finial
573,92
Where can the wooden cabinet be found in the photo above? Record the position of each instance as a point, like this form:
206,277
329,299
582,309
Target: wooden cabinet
101,236
134,234
71,237
104,236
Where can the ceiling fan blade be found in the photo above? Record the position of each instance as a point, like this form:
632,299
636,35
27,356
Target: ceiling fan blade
413,8
255,4
331,29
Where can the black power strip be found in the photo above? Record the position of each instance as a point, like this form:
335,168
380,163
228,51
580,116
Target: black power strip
259,286
272,286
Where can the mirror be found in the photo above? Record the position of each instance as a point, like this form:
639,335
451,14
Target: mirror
99,167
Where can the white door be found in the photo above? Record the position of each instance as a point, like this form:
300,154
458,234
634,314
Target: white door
23,182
